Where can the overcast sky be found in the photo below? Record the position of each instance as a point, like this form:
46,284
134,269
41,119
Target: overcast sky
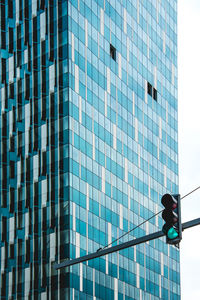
189,141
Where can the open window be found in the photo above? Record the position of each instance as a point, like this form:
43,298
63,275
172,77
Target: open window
154,94
113,52
149,89
152,91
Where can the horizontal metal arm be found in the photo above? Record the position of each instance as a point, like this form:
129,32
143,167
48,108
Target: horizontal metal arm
191,223
102,252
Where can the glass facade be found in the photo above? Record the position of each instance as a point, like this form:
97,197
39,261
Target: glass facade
88,146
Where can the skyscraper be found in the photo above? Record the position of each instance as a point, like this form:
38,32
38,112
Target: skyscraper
88,146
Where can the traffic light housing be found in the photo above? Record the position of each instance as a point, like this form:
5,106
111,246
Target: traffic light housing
172,217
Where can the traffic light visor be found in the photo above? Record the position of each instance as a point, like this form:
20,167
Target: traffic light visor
170,216
169,201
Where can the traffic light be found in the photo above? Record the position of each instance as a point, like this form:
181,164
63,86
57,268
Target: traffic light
172,217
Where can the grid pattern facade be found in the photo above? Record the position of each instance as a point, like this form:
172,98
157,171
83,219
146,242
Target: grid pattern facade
88,146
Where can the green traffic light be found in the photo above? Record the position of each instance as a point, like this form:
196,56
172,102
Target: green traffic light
172,233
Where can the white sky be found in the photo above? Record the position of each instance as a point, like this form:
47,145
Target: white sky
189,141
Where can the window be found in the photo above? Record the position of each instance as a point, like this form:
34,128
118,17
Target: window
14,119
22,170
27,86
4,124
27,256
44,83
20,10
26,9
11,39
28,168
44,221
35,32
43,117
19,100
3,39
35,137
19,143
26,32
3,284
36,192
149,89
4,155
43,55
30,140
42,4
12,169
12,199
36,217
19,259
3,70
19,45
4,229
44,163
4,198
15,59
52,108
10,9
51,31
154,94
113,52
35,87
11,91
28,195
29,58
12,143
12,251
20,220
19,91
14,280
3,17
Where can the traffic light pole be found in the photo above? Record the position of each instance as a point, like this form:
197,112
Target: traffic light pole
102,252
